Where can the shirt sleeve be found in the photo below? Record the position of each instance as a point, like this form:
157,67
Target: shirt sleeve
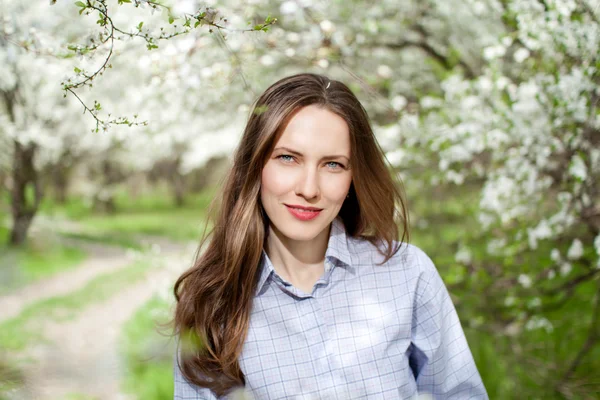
440,357
184,390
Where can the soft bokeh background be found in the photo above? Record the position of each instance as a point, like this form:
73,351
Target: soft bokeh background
487,111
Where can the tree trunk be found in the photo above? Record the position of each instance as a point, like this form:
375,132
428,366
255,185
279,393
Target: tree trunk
26,192
60,182
110,175
179,190
3,185
177,183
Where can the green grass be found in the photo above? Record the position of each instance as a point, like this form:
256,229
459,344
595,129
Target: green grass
36,260
11,378
151,213
79,396
109,238
18,332
525,365
75,207
155,200
176,224
148,354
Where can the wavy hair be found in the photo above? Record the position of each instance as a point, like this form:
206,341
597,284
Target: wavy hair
214,297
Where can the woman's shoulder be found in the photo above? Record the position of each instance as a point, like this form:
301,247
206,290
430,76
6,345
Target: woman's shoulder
409,268
407,257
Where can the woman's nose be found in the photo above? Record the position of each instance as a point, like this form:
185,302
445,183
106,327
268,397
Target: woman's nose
308,183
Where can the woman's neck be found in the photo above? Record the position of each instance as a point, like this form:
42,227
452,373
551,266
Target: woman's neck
300,262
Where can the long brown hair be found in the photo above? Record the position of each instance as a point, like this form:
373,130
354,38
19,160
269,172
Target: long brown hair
214,297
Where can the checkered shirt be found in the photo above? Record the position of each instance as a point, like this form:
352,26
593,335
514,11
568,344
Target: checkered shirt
366,331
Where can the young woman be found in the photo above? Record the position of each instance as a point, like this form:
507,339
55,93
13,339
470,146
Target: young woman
304,291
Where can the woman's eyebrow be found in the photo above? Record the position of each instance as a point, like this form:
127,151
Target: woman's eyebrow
294,152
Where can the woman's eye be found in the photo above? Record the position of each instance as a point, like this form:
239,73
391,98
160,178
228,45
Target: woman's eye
335,165
286,158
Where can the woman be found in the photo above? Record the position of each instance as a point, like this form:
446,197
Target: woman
303,290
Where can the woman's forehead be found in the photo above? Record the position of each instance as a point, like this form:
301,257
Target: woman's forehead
316,130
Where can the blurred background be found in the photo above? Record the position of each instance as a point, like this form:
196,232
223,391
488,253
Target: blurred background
118,119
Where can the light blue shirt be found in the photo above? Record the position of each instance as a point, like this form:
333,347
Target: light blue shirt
365,331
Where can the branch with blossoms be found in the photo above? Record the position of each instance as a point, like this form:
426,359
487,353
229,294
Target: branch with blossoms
592,338
110,32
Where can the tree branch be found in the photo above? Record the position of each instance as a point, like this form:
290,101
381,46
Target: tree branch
206,17
571,283
591,340
430,51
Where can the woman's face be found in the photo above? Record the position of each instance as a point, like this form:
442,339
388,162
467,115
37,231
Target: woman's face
309,167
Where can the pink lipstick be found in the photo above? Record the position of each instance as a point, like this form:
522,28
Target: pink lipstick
303,213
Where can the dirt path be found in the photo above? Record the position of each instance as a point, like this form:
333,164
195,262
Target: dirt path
101,260
83,356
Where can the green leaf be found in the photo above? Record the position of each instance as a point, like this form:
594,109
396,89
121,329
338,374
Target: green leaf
258,110
196,24
171,19
80,4
77,70
140,26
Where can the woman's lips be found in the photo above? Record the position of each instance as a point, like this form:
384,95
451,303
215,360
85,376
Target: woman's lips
303,214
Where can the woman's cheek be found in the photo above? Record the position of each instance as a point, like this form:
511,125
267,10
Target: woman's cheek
337,187
277,179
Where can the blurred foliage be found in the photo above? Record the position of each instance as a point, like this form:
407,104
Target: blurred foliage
155,200
79,396
146,214
148,352
27,328
10,378
33,261
500,97
515,360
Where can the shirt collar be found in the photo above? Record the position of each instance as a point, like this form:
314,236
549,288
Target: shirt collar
337,249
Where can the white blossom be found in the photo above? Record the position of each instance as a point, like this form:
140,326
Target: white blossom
577,168
525,280
428,102
537,322
521,55
288,7
576,250
323,63
327,26
384,71
399,102
555,255
492,52
463,256
267,60
566,268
